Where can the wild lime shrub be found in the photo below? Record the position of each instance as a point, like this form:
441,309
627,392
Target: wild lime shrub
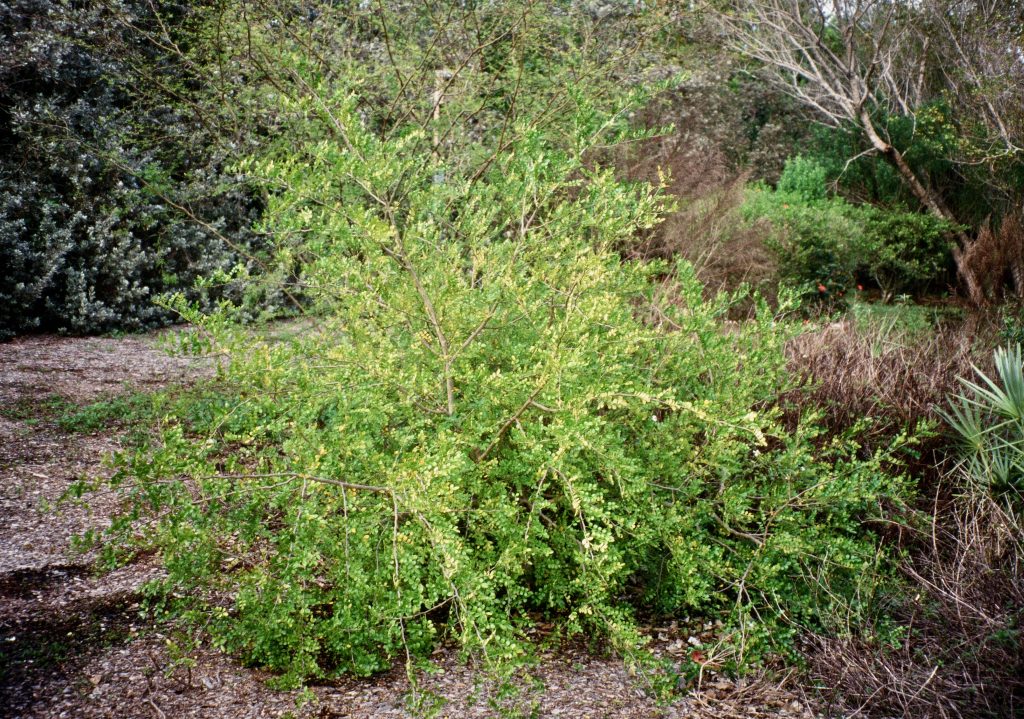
493,419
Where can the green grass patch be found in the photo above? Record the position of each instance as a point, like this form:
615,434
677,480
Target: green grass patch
32,410
139,408
900,325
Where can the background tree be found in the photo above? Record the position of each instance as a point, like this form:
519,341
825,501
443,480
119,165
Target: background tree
978,46
865,64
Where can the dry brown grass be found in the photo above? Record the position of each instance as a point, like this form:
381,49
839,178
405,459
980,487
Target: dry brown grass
963,653
706,227
725,250
897,377
962,602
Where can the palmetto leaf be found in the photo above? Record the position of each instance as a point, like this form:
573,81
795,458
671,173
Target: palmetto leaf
989,419
1005,397
967,420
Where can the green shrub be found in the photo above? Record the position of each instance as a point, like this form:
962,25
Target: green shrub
495,420
904,250
132,409
99,156
941,144
824,243
1011,330
817,243
804,178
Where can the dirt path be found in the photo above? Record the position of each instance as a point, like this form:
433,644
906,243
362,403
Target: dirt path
74,643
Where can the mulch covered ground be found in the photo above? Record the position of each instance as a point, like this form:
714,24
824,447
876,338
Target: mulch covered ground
73,643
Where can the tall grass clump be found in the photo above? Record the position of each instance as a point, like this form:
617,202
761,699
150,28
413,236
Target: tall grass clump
894,364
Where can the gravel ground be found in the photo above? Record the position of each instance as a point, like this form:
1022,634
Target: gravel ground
74,644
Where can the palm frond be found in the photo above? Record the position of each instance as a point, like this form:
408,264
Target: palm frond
988,418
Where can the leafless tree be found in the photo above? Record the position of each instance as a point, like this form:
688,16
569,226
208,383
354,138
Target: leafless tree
980,57
854,61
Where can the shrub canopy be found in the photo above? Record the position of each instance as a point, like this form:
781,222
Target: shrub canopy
491,419
112,187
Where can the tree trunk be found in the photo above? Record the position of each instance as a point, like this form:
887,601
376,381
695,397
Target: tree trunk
894,156
931,203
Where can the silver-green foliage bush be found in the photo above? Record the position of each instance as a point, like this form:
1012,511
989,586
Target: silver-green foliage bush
101,165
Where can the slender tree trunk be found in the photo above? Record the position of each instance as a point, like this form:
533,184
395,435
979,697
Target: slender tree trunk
1013,240
894,156
930,202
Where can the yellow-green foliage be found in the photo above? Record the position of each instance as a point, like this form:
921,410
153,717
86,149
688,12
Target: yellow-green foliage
491,418
495,419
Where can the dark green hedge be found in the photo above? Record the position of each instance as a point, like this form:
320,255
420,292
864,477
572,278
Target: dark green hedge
105,168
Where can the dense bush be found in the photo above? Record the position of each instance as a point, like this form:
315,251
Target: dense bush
495,420
804,178
816,240
904,251
930,140
825,243
110,188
